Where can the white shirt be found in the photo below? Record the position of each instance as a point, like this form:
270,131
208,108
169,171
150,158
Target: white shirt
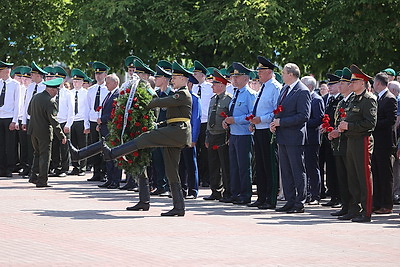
28,97
206,94
11,100
381,93
83,108
65,107
230,89
22,93
91,98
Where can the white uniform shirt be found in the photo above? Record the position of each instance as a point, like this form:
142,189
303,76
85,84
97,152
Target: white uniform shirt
65,107
28,97
11,100
91,98
206,94
22,93
83,108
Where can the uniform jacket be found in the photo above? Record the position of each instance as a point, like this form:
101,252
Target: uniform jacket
296,112
43,117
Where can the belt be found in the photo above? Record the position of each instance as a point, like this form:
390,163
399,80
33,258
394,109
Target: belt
178,120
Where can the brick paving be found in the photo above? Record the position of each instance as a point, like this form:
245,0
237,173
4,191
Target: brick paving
76,223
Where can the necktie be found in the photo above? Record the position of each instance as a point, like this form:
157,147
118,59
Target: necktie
258,99
3,94
232,107
58,100
284,94
199,91
76,102
97,100
34,90
106,99
213,115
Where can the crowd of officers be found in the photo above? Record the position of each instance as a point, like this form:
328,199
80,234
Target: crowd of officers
294,138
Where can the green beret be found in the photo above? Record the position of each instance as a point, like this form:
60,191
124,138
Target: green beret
178,70
37,69
100,67
54,83
77,74
60,72
389,71
129,61
198,67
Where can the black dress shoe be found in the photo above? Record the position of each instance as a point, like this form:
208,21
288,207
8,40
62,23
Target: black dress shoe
285,208
191,196
81,173
339,213
24,172
73,172
267,206
8,174
157,192
241,202
95,178
296,210
145,206
212,197
361,218
33,179
256,203
337,205
227,199
174,212
61,174
43,185
348,216
113,186
127,186
165,194
105,185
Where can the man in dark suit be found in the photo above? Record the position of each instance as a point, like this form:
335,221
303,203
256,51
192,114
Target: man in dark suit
384,143
313,142
43,112
113,173
294,104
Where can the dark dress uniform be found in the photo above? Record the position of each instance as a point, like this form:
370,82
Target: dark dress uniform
43,112
361,118
218,150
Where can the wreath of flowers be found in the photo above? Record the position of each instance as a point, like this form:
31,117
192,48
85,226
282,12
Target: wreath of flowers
140,120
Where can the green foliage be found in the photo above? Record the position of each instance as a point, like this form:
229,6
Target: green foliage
139,121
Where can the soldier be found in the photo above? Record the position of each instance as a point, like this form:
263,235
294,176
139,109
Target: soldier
35,87
358,126
217,140
43,111
142,70
9,103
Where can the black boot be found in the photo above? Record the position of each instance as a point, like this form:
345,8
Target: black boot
130,183
86,152
144,194
177,199
118,151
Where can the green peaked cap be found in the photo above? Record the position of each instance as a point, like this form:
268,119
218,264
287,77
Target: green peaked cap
4,65
166,65
77,74
142,68
60,72
389,71
198,67
26,71
100,67
17,71
37,69
346,74
49,70
54,83
177,69
129,61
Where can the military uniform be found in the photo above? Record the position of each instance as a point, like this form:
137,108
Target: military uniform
43,111
218,150
361,118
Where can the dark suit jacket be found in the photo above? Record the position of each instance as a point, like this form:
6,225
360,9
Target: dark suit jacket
384,135
106,113
317,113
43,112
296,112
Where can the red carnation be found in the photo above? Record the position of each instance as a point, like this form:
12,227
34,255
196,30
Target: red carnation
136,106
122,92
137,124
119,163
137,133
128,91
123,107
119,126
135,154
113,143
130,111
130,161
132,134
325,125
99,108
215,147
135,99
278,109
144,129
120,158
341,110
329,129
250,117
129,118
145,117
114,103
223,114
343,115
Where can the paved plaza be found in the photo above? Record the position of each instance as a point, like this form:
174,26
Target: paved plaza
76,223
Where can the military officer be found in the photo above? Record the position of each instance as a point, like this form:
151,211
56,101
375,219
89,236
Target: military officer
35,87
217,140
142,70
9,103
358,126
43,112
